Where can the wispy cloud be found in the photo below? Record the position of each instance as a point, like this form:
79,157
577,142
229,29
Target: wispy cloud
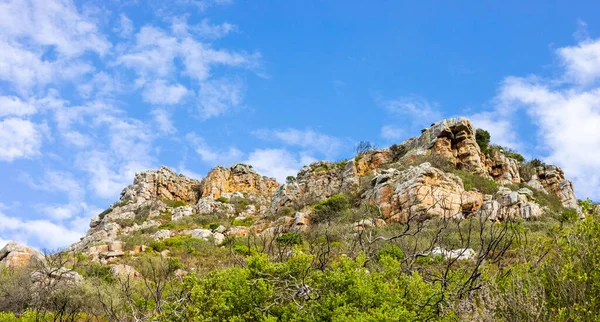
309,140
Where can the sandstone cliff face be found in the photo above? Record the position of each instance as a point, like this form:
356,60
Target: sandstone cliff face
419,192
159,184
552,178
453,139
15,255
238,178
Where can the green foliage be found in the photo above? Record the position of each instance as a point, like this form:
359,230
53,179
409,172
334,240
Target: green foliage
291,238
246,222
478,182
483,139
341,165
132,240
549,200
509,153
330,209
286,211
97,270
174,203
527,170
570,274
182,243
568,215
290,179
222,199
537,163
265,291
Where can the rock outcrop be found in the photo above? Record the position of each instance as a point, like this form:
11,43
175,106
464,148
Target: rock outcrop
15,255
419,192
161,184
453,139
552,178
238,178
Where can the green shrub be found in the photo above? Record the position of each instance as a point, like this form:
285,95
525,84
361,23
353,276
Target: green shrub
550,200
291,238
174,203
246,222
509,153
568,215
222,199
330,209
478,182
290,179
483,139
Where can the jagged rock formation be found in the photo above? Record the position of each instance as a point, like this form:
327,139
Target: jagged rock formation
238,178
453,139
15,255
387,178
422,191
161,184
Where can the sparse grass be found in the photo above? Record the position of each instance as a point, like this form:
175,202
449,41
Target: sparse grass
246,222
174,203
472,181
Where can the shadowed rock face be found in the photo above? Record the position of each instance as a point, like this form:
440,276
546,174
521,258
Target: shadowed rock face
15,255
238,178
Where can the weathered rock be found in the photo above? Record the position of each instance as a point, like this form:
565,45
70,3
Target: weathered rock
204,234
301,222
453,139
238,178
124,272
53,276
504,169
15,255
161,234
460,254
552,178
181,212
419,192
219,238
238,231
161,184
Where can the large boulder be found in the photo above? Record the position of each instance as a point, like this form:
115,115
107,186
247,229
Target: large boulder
15,255
238,178
419,192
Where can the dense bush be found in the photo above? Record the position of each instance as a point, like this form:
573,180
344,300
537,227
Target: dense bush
483,139
478,182
330,209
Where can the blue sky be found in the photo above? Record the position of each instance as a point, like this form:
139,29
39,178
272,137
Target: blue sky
93,91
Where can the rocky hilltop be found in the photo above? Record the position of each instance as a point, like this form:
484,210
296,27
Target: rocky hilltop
390,223
434,174
442,172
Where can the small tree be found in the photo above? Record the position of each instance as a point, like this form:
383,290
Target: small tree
483,139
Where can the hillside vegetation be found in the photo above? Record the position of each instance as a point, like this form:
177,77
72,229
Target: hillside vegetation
445,229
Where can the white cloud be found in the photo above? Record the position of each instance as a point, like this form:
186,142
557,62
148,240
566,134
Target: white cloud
159,92
58,181
207,30
581,62
568,120
277,163
12,105
125,27
307,139
218,96
500,128
211,155
392,133
40,232
418,108
19,139
51,23
163,120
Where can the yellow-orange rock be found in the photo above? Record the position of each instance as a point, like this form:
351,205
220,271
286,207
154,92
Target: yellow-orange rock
238,178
